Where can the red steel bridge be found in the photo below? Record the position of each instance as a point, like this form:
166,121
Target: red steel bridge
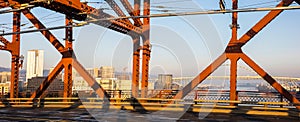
137,26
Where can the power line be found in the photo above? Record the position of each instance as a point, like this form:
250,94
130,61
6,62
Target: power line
36,30
203,12
164,15
173,1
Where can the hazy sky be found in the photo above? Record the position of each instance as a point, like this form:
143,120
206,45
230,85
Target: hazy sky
183,46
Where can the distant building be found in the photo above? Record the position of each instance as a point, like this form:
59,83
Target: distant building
5,77
80,85
35,64
5,83
107,72
164,81
123,84
123,76
55,87
107,84
93,72
4,88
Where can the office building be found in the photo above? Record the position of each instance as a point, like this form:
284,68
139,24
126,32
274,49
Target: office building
35,64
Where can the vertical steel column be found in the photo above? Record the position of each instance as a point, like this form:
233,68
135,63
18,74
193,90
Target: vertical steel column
234,25
233,53
135,66
136,54
233,75
68,83
146,49
15,52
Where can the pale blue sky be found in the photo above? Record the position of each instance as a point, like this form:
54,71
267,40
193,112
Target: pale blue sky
183,46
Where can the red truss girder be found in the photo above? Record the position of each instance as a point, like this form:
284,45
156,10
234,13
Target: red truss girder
122,26
68,60
5,42
117,9
234,53
79,11
133,12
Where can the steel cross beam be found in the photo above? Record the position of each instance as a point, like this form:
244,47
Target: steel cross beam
49,36
234,53
117,25
133,11
117,9
5,42
78,11
68,60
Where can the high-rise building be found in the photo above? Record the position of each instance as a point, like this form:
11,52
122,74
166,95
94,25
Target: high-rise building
35,64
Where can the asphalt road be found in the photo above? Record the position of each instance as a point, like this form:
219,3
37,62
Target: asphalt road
76,114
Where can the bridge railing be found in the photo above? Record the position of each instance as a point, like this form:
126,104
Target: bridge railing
220,97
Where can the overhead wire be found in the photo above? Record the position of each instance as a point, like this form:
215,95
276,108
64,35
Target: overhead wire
174,14
205,12
173,1
256,4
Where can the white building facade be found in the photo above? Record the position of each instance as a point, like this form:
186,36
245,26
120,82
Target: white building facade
35,64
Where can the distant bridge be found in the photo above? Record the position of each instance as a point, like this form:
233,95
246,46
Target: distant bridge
240,78
182,81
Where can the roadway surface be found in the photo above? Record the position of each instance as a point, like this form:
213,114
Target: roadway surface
76,114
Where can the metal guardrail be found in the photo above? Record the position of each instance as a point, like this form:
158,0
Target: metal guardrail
142,101
158,104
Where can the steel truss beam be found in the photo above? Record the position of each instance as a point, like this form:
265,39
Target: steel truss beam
234,53
136,43
133,11
79,11
117,9
122,26
68,60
